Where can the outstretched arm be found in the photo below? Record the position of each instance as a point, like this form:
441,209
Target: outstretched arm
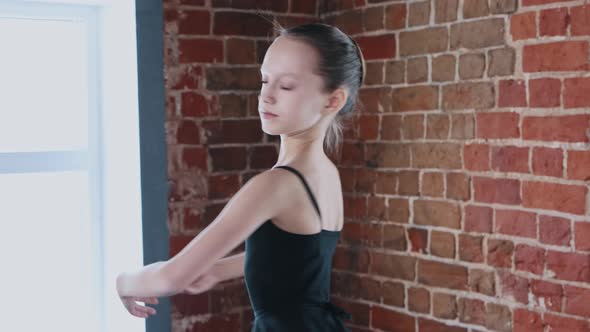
257,201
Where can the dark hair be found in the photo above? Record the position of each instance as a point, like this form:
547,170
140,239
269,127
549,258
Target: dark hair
341,63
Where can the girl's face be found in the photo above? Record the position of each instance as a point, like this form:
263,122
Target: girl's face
290,87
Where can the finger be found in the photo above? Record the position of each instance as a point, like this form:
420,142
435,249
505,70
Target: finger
150,300
147,310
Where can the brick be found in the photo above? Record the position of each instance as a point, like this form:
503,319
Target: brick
237,78
393,293
497,125
194,22
445,10
228,158
490,190
547,294
200,50
436,155
471,311
444,306
555,230
442,275
512,93
555,56
553,22
437,213
443,68
423,41
418,239
582,236
374,17
548,161
556,323
523,25
399,210
240,24
374,73
478,95
355,207
498,317
395,72
576,301
232,131
569,266
240,51
427,325
478,219
416,98
462,126
580,16
368,127
540,2
432,184
391,127
353,154
183,77
377,47
395,16
516,223
387,155
409,183
418,300
502,61
437,126
475,8
389,320
458,186
477,157
576,92
529,258
500,253
376,100
193,105
442,244
394,237
413,126
527,321
352,259
477,34
510,159
482,281
350,22
568,128
471,65
304,7
187,132
545,92
555,196
471,248
394,266
514,288
577,165
417,70
223,186
419,13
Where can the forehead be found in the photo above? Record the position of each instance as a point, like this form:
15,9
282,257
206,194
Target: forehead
287,55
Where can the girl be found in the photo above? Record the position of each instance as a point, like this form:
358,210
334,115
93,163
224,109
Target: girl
289,216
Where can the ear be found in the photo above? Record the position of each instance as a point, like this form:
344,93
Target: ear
336,100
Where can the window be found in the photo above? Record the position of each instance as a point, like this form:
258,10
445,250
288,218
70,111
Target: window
70,198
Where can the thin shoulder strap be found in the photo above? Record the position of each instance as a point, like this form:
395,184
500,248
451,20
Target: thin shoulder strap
293,170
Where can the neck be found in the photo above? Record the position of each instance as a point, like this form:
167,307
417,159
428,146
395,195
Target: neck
307,144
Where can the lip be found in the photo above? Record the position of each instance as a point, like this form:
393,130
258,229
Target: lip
268,114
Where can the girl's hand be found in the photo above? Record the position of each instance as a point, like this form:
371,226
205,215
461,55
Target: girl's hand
203,283
137,309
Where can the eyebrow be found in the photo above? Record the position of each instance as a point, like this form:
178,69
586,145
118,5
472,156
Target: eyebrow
284,74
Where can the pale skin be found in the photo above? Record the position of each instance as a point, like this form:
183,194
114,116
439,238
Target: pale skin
292,90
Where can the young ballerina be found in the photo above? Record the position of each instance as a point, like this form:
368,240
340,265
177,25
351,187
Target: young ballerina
290,216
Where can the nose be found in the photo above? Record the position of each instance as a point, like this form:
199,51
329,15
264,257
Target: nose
266,96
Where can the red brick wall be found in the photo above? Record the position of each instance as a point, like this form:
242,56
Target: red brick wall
213,49
465,177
